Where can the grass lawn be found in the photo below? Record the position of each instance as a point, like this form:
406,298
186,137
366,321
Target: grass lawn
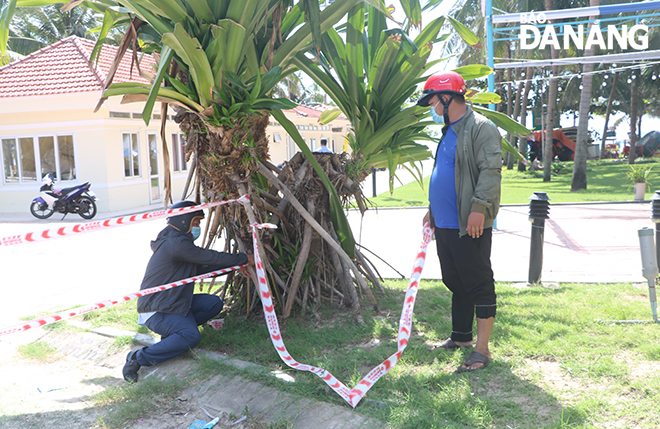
555,365
606,181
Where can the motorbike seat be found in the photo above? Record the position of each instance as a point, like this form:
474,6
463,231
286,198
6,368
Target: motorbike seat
65,191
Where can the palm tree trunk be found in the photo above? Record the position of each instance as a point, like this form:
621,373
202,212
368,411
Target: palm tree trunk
633,122
579,180
509,110
549,124
498,87
522,141
615,80
551,103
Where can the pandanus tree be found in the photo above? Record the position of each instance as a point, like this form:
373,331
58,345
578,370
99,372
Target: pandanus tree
218,64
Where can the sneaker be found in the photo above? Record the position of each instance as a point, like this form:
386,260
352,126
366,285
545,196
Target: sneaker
131,367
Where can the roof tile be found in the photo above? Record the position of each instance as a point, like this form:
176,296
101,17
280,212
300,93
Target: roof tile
63,68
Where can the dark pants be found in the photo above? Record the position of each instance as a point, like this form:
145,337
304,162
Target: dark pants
180,333
466,271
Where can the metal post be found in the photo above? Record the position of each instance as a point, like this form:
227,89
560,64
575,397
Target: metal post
649,266
490,59
543,128
655,217
539,206
373,179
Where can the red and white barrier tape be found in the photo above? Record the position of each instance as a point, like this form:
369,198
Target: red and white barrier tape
107,303
354,395
49,234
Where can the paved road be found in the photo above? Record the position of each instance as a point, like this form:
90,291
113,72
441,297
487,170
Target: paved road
583,243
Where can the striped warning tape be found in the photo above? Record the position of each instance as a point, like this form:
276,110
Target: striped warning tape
66,231
354,395
107,303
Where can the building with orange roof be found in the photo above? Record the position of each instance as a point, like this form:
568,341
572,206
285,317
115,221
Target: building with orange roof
48,125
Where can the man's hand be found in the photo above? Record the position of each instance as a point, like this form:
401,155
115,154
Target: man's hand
244,270
475,225
427,218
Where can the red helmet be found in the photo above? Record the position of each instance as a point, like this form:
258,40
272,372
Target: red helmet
448,82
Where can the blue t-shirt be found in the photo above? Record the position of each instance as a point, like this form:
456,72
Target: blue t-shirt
442,189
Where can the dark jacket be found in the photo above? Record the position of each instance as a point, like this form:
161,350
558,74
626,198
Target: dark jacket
478,168
176,258
478,172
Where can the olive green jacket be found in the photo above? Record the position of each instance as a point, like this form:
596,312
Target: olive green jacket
478,168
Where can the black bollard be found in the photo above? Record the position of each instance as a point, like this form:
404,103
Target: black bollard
373,179
655,217
539,206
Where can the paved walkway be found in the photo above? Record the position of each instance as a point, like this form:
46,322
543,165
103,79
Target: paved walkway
582,243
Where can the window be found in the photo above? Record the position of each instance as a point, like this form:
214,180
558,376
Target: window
291,147
27,159
120,115
312,143
277,138
131,155
179,153
152,140
67,164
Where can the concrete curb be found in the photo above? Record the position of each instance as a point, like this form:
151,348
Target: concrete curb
148,340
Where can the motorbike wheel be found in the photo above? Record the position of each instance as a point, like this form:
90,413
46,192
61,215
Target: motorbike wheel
87,208
41,210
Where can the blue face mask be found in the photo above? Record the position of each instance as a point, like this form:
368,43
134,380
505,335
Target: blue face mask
195,231
438,119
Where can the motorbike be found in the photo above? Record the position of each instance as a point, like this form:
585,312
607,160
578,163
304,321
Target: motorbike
76,199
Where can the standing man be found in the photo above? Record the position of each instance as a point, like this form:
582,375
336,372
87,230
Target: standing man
464,197
324,147
175,314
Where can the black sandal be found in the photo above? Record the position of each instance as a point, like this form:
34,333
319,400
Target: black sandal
475,357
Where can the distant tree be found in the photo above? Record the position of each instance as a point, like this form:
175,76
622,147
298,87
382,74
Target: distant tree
33,28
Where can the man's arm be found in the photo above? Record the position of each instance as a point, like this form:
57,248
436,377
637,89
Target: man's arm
488,187
489,162
206,259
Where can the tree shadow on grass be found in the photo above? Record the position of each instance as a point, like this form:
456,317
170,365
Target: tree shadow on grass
428,393
494,397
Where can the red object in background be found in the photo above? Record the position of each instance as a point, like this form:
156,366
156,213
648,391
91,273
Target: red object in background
556,135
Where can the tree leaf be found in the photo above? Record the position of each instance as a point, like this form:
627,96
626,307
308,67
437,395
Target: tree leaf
511,149
474,71
329,116
503,121
485,98
468,36
165,59
191,52
6,14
